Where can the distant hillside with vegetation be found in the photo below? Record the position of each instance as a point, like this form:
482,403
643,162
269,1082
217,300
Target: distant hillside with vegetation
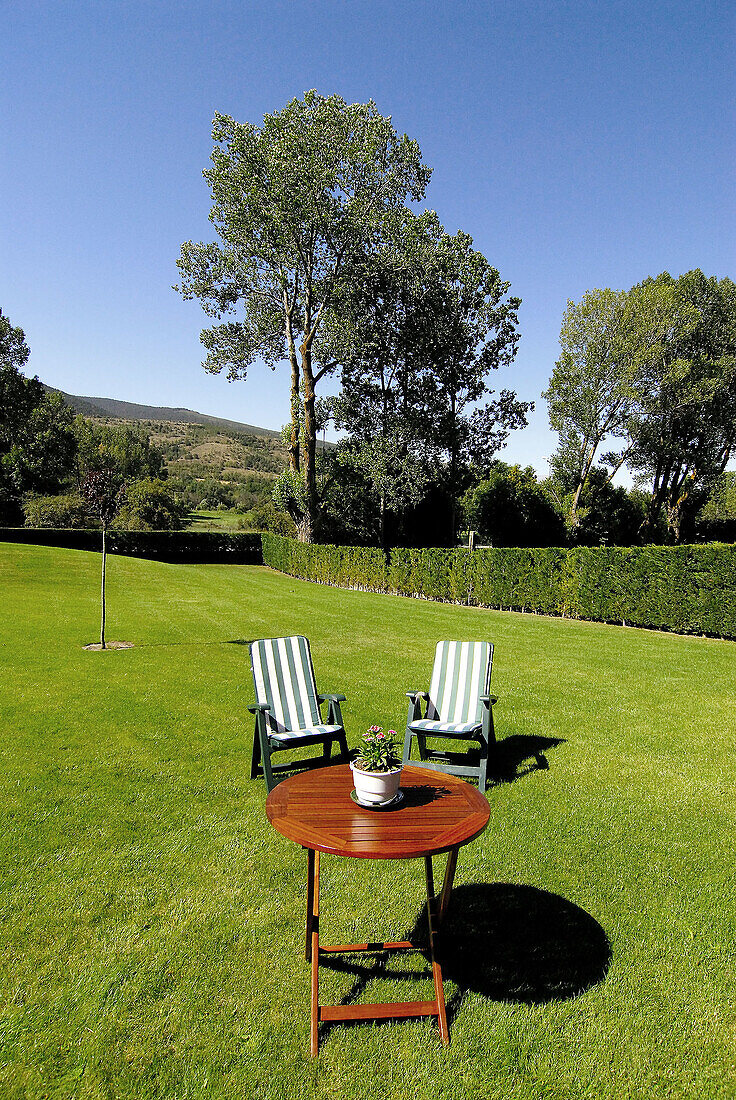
211,463
129,410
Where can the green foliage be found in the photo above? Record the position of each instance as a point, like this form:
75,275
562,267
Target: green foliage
266,516
230,547
686,589
510,508
652,370
378,751
345,566
717,518
37,443
686,434
298,203
125,448
613,344
429,320
151,506
62,510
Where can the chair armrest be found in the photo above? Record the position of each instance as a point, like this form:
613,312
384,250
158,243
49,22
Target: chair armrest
259,708
333,698
489,700
415,706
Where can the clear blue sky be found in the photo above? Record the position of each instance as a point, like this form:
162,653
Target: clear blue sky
581,145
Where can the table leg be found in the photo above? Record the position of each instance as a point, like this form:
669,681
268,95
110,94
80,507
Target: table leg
433,920
436,909
314,949
310,903
429,875
447,885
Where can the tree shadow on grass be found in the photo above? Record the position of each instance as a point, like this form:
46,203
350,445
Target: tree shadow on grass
509,943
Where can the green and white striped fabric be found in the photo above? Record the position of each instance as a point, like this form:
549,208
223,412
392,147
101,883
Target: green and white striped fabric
284,680
460,676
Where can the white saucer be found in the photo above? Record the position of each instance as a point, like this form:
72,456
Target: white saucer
398,797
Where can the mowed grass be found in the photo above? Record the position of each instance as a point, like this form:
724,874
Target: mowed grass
151,935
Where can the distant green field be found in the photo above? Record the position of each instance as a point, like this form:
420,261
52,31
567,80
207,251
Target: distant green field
201,520
151,935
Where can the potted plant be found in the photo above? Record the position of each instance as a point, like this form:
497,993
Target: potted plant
377,767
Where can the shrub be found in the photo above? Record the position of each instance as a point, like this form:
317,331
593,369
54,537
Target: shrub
64,510
150,506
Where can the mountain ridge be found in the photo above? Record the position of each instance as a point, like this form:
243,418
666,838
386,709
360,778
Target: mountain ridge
130,410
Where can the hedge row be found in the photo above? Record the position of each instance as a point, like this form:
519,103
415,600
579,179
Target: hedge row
684,589
239,547
343,566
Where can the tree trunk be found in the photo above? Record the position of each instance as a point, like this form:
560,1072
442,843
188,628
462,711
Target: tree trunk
307,527
295,403
104,562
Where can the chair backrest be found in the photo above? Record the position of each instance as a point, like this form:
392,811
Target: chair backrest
461,674
284,678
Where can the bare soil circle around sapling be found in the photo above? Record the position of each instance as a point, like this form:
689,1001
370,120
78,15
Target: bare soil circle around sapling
109,645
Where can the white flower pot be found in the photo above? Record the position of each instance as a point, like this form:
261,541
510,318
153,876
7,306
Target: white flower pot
376,787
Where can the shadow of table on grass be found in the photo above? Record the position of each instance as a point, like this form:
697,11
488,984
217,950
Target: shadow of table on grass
515,944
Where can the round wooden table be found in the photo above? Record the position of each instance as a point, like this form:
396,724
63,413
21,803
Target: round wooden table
438,813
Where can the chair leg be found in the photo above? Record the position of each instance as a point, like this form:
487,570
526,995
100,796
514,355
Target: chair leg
422,743
255,759
406,755
342,741
483,769
268,773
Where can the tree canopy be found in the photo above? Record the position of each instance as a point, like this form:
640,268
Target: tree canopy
685,435
37,444
297,203
427,323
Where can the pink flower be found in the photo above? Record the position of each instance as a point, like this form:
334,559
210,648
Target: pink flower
381,736
392,733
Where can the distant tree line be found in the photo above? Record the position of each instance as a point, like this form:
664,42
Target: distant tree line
50,460
322,264
647,382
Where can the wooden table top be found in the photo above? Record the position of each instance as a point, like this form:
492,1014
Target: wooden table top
438,812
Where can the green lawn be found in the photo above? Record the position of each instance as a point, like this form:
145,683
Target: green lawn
201,520
151,938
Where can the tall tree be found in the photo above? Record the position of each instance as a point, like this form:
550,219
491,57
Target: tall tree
613,344
428,322
37,444
685,435
297,203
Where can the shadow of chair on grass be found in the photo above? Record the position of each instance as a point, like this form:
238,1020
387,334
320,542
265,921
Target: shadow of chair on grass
506,759
509,943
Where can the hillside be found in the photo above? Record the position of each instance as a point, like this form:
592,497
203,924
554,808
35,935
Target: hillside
104,407
211,463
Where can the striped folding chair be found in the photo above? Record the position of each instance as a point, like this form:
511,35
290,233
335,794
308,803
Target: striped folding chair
288,708
458,706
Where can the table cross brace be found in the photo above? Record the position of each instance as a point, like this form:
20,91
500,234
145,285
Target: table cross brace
436,912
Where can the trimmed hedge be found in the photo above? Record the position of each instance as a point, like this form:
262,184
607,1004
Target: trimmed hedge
343,566
683,589
204,547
